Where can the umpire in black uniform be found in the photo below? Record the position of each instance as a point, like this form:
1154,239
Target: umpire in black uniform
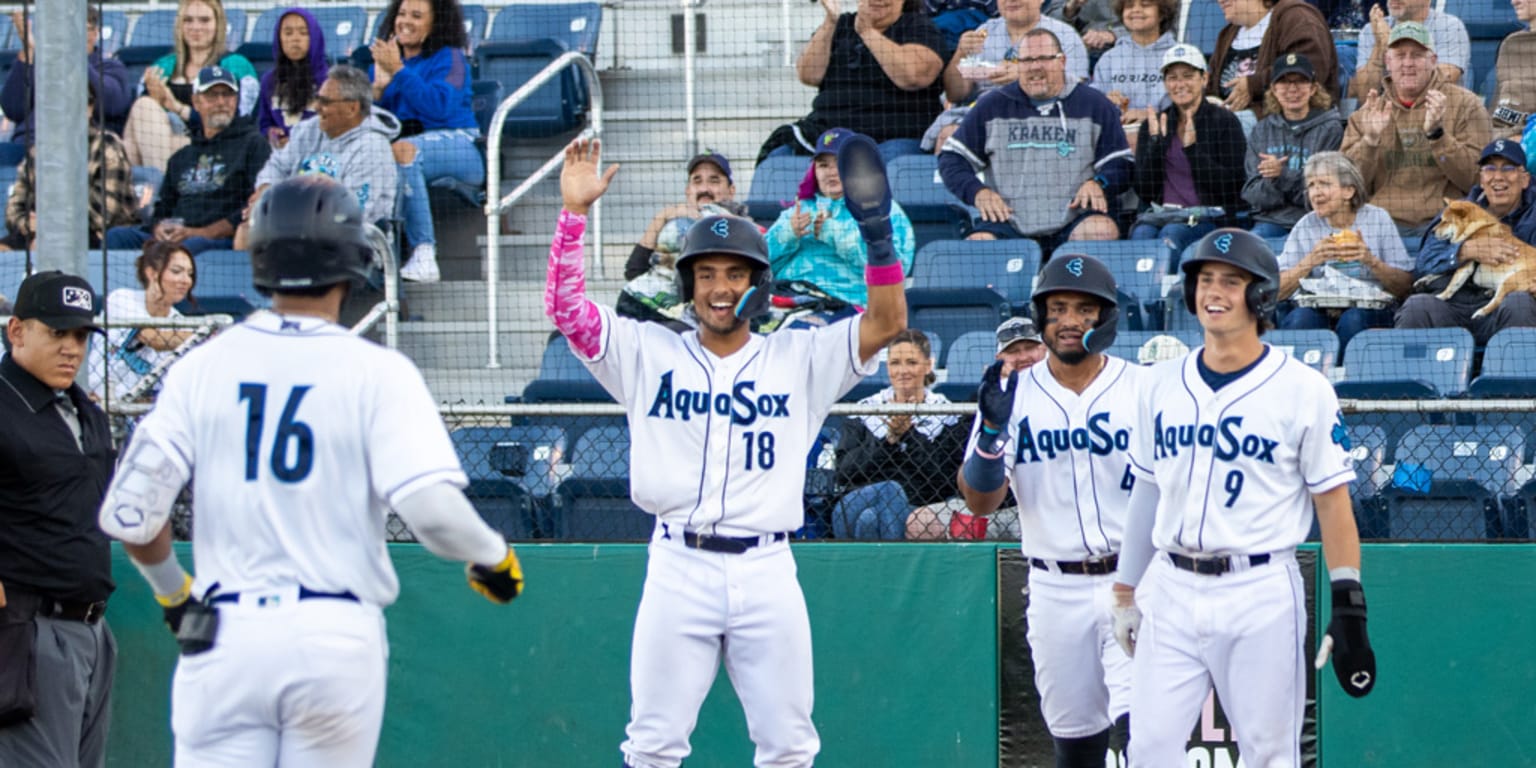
57,656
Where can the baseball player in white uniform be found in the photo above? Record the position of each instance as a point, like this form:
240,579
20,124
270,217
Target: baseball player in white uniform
1235,446
302,438
1061,431
720,422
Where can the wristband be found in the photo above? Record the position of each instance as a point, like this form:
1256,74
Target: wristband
884,274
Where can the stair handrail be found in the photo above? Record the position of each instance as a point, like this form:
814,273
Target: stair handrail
496,205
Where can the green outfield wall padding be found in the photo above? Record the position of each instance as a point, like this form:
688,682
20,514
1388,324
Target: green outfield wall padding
905,639
1452,626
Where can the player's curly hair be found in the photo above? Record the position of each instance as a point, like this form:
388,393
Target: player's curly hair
924,347
447,26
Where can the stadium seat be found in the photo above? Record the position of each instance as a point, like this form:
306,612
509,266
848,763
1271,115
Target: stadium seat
477,21
224,285
1509,365
935,213
574,24
1318,348
964,285
137,58
593,503
964,363
1487,23
558,106
155,28
563,378
1368,449
1139,267
1203,24
511,473
234,29
114,31
1449,482
9,40
775,185
1135,347
1383,363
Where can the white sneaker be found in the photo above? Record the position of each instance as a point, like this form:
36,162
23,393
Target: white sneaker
422,266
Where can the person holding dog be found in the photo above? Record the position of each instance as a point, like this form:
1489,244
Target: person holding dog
1504,190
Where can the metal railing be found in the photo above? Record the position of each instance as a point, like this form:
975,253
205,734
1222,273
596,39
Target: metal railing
496,205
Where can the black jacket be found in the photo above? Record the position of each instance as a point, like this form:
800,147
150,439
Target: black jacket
925,468
1216,160
210,179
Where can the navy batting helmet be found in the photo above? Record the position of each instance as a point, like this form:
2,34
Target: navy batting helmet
727,236
1241,249
307,232
1081,274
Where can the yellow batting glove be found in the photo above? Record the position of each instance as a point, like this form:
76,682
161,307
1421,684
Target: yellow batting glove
499,583
174,605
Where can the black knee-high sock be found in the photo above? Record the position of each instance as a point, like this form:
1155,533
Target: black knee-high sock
1084,752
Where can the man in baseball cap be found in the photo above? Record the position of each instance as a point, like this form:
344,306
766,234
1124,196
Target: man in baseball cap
709,183
61,302
1018,344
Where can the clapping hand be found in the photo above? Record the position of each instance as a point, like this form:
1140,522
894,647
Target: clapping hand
1434,110
803,223
1271,166
1375,116
386,56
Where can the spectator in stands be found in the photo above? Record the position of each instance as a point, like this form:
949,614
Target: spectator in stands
1299,122
1128,72
1503,189
818,240
1054,152
1416,142
288,90
1514,96
1189,159
1451,45
898,464
956,17
166,276
107,76
876,71
709,182
348,140
1019,346
420,73
206,182
161,120
1094,20
1349,235
997,43
1257,33
112,199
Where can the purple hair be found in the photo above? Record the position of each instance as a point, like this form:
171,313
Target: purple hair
291,83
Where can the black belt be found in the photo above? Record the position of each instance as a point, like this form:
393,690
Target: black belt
1097,566
66,610
1216,565
730,545
305,593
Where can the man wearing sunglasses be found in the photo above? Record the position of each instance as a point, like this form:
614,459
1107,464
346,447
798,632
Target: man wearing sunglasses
1504,189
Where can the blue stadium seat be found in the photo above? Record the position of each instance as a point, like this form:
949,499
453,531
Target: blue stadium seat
1487,23
574,24
1138,266
1318,348
1203,25
114,31
137,58
1509,365
9,40
510,504
935,213
970,285
775,185
558,106
964,363
1368,449
1412,363
155,28
485,97
563,378
234,29
1133,345
1449,482
224,285
593,503
477,21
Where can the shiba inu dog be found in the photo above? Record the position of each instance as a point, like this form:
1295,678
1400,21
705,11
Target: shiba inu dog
1464,220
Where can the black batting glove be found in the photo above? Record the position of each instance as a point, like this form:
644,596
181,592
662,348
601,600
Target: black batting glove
994,401
1354,663
498,583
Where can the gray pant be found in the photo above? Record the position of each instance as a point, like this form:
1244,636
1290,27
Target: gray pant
75,665
1425,310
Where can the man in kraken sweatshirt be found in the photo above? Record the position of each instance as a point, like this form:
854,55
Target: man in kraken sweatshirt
1054,153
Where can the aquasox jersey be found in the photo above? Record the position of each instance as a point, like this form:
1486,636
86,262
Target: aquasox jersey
1067,460
299,438
1236,469
720,444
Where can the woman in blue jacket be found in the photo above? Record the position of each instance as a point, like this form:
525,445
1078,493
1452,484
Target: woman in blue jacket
421,74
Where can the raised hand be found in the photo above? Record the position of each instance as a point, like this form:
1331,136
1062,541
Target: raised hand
580,186
1434,110
1376,116
800,220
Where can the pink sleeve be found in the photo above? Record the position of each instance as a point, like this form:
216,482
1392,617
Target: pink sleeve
565,288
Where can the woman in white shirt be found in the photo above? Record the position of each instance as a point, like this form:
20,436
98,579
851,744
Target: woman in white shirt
167,275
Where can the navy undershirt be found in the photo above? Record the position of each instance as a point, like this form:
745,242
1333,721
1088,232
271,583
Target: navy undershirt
1216,380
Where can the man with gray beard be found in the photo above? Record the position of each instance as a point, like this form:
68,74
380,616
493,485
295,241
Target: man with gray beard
206,182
